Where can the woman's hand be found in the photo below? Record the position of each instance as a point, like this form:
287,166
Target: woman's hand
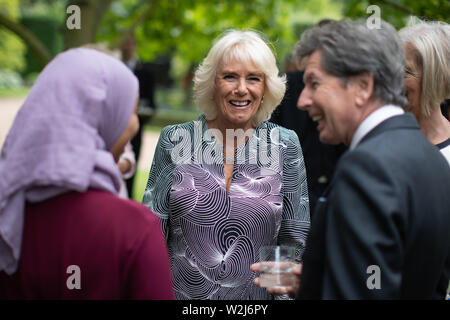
124,166
289,290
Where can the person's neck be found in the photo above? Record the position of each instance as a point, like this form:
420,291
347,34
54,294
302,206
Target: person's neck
239,135
435,127
365,112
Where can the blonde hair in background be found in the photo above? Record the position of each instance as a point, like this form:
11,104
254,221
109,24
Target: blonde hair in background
431,43
246,47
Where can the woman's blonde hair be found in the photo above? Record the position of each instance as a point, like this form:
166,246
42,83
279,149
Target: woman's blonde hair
430,42
247,47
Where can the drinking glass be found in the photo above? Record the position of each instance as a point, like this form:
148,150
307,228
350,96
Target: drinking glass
277,262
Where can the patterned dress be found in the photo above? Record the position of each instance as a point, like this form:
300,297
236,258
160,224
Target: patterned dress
214,236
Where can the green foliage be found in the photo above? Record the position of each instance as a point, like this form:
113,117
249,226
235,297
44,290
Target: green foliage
429,9
44,19
14,93
12,48
10,80
47,29
54,8
140,182
397,12
185,29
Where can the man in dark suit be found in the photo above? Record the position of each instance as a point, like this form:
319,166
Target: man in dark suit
381,230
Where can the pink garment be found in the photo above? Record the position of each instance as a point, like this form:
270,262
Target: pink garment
127,155
117,245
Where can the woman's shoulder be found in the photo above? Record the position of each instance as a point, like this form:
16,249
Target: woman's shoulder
96,209
113,207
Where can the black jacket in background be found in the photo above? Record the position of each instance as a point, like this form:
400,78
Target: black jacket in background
320,159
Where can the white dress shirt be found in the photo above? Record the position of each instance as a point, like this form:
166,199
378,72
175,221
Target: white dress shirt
375,118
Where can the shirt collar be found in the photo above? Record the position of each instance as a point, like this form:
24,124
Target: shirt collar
374,119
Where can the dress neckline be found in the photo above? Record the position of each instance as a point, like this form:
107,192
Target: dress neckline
240,148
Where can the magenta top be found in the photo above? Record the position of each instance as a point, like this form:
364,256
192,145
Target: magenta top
90,245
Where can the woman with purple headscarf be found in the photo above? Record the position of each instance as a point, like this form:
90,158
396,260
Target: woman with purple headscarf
64,233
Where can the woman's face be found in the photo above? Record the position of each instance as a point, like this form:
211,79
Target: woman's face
130,131
413,81
238,93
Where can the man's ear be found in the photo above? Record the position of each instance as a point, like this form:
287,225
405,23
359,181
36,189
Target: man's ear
364,86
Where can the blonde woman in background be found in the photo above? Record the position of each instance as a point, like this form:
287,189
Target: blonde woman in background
427,78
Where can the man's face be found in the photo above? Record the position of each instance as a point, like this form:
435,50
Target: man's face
328,102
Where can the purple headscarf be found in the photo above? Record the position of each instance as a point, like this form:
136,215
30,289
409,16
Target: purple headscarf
59,141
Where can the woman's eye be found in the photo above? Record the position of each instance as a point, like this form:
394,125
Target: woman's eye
410,73
255,79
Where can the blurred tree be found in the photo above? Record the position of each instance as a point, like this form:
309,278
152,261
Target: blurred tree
92,12
397,12
12,21
182,29
47,28
185,29
12,48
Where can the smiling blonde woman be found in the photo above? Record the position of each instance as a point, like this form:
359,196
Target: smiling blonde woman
229,182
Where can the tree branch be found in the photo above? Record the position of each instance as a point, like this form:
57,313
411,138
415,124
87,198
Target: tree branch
36,46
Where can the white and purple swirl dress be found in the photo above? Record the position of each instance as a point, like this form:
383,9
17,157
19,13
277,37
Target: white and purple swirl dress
214,237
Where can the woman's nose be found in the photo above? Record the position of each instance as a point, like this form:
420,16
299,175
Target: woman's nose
241,87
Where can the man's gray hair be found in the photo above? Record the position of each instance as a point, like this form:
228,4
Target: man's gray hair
350,48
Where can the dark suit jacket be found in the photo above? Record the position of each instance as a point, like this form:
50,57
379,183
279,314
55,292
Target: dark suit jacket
389,206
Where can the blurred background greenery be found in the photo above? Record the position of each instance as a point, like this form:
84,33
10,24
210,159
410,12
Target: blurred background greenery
177,32
34,31
181,31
